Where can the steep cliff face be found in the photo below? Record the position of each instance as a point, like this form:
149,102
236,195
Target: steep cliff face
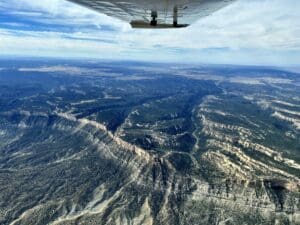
161,152
107,181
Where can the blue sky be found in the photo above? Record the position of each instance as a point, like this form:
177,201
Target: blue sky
247,32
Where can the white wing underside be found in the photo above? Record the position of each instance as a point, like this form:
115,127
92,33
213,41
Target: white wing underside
140,12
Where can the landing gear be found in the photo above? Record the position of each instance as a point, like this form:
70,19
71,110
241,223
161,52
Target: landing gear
154,17
164,20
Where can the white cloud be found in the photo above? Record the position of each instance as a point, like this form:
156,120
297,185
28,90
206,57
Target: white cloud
54,44
58,12
257,31
69,70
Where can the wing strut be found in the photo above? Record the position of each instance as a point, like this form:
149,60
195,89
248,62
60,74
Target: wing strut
175,16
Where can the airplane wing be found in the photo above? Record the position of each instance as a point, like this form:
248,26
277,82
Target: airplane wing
156,13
